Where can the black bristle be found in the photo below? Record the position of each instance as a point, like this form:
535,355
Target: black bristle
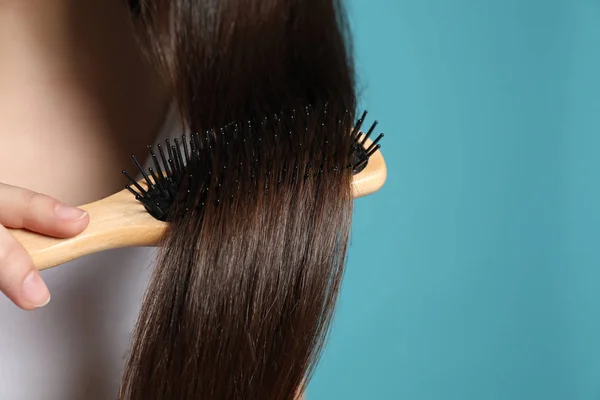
134,182
369,132
177,159
373,150
166,165
136,194
139,167
196,140
359,154
178,153
192,151
171,157
159,183
175,175
156,164
171,188
356,130
185,149
171,171
375,142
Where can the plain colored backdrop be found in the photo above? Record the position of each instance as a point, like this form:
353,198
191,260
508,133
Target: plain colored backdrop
475,272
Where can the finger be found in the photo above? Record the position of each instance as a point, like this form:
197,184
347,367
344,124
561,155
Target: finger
22,208
20,281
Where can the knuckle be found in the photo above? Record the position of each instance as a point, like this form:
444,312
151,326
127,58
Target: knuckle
32,205
23,208
28,200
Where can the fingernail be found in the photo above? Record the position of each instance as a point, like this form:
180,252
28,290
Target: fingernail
35,290
64,211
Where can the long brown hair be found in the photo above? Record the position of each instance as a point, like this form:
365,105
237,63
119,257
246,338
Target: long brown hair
247,278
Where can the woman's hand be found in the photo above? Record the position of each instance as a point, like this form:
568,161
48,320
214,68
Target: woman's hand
20,281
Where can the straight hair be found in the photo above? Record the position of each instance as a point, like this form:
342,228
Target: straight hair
246,280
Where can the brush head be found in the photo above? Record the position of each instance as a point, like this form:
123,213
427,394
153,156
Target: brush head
171,176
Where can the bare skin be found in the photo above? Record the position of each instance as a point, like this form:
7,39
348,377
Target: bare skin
76,98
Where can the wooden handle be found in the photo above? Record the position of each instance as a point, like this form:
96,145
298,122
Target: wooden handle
115,221
122,221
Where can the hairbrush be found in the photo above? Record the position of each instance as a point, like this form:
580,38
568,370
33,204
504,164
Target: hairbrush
136,215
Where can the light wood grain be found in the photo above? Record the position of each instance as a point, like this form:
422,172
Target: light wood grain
122,221
115,221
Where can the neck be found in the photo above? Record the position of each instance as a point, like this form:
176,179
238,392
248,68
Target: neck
76,96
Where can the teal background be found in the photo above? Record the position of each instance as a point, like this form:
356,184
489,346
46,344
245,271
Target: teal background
475,272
